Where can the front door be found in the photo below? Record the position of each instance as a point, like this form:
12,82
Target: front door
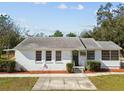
75,57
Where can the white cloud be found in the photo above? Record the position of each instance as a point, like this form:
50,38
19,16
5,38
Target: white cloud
79,7
40,3
62,6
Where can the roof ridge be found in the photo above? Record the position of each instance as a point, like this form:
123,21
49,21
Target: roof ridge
53,37
104,41
87,38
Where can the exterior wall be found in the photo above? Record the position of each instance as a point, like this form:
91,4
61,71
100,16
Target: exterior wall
112,64
26,60
108,64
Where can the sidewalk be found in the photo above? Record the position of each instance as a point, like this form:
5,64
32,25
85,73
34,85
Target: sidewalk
44,75
103,73
59,75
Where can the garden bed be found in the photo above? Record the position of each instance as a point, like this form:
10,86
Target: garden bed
37,72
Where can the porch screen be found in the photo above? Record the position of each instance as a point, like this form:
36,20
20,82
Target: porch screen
90,55
48,55
114,55
105,55
58,55
38,55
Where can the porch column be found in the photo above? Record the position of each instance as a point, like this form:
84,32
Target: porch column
53,56
98,55
44,56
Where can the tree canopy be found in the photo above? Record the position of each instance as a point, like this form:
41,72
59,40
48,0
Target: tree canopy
71,34
57,33
10,34
110,24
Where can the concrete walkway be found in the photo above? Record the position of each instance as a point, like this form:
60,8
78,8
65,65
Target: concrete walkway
64,83
59,75
44,75
103,73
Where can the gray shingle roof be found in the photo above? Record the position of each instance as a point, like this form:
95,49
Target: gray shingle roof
66,43
109,45
90,43
51,42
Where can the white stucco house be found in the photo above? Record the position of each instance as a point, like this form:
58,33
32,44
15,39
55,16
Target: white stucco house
52,53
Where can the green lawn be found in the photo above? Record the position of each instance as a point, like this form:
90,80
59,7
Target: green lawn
17,83
108,82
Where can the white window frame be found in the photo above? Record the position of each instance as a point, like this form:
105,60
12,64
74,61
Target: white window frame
41,61
60,61
109,55
87,55
48,61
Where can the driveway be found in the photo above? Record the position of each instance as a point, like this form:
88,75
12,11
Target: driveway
64,83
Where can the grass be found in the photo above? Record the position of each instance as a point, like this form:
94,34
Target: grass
108,82
17,83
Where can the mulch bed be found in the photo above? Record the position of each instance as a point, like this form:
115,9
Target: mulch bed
37,72
116,70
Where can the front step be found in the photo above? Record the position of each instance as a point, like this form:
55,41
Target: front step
78,69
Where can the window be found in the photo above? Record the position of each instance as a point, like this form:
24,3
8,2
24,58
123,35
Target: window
38,55
48,55
90,55
82,53
105,55
58,55
114,55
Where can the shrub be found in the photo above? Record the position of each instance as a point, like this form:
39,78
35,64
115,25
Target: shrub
11,66
7,66
93,65
69,67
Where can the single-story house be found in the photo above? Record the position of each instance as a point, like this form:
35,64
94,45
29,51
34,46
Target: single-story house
52,53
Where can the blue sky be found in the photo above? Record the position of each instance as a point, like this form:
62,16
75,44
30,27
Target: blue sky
49,17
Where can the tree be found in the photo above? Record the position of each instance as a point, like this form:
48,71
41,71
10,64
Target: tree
71,35
110,24
104,13
86,34
57,34
10,34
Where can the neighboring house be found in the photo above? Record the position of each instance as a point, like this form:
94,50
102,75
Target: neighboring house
52,53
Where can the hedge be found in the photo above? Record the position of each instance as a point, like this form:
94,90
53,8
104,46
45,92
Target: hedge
7,66
93,65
